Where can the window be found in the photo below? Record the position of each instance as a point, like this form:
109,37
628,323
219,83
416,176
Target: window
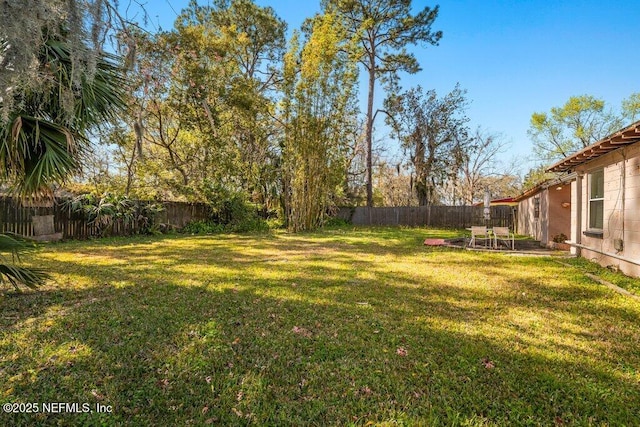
596,199
536,207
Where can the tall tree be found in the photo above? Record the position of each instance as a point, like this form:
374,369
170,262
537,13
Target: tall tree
319,115
480,167
46,130
580,122
180,136
27,27
394,185
205,99
434,131
631,107
535,176
253,38
383,29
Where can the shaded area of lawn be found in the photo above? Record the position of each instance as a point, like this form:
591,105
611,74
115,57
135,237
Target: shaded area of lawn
336,327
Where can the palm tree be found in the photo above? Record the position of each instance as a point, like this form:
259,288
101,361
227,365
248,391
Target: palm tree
47,132
44,139
11,246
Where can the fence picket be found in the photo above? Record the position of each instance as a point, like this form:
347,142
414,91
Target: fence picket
16,218
430,216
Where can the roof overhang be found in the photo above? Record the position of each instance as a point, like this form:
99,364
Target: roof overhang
507,201
554,182
626,136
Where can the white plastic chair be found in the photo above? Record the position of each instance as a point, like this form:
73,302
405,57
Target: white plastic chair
504,235
479,233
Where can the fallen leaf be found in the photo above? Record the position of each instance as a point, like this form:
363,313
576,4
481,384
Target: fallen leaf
301,331
365,390
97,395
487,363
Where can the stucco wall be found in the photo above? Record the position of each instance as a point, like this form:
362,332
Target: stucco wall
559,216
553,219
528,225
621,210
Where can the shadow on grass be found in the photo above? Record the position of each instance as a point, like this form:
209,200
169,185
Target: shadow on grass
315,345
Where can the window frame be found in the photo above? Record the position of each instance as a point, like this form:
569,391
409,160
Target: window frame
594,223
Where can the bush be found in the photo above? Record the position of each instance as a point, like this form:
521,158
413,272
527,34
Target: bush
560,238
107,210
237,215
231,215
203,227
213,227
275,223
336,222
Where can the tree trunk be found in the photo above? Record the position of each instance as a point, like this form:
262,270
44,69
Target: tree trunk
369,131
423,194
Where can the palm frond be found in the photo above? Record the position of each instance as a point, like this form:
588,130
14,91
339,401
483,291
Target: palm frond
11,243
44,142
16,276
99,98
36,153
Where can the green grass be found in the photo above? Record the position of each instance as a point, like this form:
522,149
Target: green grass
629,283
339,327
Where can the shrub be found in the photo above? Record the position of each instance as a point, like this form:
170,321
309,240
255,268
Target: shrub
203,227
560,238
237,215
336,222
233,215
110,209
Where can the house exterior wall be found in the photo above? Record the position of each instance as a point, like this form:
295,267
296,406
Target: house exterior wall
621,220
543,220
528,225
553,220
575,206
559,216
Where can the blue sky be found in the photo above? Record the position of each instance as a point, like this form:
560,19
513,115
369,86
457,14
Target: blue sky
513,57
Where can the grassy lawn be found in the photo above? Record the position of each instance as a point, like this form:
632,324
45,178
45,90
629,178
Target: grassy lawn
339,327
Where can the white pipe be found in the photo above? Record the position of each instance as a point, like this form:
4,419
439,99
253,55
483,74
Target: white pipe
578,207
621,258
624,189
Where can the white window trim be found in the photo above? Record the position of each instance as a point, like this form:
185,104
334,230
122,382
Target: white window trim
596,199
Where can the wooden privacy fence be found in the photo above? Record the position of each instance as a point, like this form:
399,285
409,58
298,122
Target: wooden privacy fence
22,218
429,216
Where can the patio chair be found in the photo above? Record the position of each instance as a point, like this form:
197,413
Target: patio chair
479,233
504,235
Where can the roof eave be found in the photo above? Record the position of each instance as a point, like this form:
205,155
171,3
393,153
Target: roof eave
621,138
546,184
